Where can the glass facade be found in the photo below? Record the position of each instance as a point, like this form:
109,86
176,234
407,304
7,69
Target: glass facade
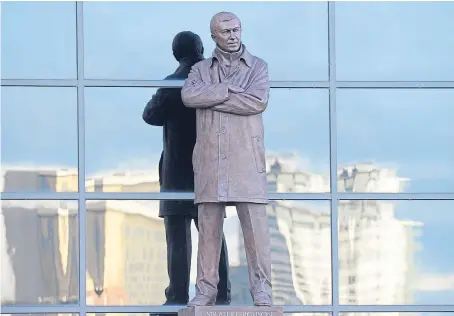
359,146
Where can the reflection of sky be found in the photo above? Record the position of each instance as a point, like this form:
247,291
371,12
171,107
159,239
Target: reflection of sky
433,259
110,132
38,40
394,40
375,41
146,32
408,129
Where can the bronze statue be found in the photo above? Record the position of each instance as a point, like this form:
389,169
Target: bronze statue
230,91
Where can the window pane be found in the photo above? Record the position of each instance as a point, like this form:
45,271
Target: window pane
395,140
127,263
128,40
394,40
297,140
395,252
40,252
38,40
39,139
123,151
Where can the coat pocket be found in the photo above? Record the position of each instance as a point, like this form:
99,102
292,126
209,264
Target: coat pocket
259,154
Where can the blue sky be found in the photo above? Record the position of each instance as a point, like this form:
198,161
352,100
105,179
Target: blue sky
407,129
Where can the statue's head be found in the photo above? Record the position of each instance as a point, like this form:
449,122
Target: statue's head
225,30
187,44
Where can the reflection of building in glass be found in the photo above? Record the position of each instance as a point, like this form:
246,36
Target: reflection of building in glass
126,250
376,254
375,249
300,241
7,277
284,175
42,245
369,178
54,179
126,253
136,181
39,179
125,241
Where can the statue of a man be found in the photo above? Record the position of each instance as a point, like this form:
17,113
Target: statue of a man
230,91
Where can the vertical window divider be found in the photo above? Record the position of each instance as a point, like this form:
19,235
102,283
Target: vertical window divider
333,159
81,157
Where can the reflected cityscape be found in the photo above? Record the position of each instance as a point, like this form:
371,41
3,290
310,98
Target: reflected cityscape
126,247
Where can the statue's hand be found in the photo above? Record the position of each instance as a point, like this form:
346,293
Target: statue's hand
235,89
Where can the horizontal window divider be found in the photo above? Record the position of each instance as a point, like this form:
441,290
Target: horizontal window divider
273,84
179,83
396,308
164,309
39,82
395,84
190,196
103,83
167,309
395,196
37,309
39,195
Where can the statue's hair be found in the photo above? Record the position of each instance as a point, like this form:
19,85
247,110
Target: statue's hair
221,17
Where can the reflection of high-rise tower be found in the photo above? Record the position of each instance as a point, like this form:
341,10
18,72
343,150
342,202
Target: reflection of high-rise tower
375,249
299,239
7,277
375,254
306,237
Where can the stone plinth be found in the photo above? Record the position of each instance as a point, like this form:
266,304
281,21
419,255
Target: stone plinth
230,311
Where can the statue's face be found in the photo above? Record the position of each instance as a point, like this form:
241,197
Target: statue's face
228,35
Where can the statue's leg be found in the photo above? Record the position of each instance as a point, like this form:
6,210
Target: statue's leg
179,251
210,220
224,285
254,224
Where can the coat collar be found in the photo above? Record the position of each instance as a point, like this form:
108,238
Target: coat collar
222,56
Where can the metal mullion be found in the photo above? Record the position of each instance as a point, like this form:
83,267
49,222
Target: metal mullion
396,196
395,84
39,82
165,309
179,83
333,158
81,158
25,309
396,308
40,309
299,84
134,83
190,196
40,196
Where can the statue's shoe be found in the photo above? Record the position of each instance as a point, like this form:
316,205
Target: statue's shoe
262,299
202,300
